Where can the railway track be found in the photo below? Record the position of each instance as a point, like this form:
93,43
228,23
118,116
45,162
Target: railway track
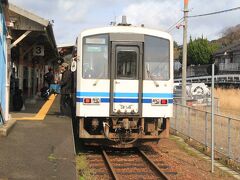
128,164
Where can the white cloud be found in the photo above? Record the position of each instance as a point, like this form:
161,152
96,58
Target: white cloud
154,14
66,4
74,11
163,14
212,26
71,16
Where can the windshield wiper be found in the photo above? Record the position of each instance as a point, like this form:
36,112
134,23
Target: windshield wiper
151,77
97,79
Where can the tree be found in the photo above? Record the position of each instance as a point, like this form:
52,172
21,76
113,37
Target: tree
230,35
200,51
177,51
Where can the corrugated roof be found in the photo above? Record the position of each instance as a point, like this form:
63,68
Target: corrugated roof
46,24
28,15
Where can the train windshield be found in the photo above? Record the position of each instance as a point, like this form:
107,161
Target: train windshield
156,58
95,57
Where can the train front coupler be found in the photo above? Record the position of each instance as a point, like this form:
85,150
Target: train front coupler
123,130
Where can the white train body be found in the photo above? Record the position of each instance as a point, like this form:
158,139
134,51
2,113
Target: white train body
123,72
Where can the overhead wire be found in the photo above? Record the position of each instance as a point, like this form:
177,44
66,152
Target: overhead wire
174,25
213,13
171,28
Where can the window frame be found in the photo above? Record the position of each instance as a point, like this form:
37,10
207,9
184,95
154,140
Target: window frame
108,54
145,76
137,51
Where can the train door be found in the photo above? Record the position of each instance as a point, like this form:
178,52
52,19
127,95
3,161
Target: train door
126,78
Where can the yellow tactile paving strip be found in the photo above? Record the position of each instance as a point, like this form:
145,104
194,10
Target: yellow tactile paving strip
42,112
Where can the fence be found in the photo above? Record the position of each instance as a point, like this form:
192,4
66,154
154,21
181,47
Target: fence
196,124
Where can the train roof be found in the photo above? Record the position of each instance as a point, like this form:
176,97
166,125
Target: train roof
126,29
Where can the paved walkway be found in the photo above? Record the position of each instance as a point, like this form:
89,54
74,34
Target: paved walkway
39,149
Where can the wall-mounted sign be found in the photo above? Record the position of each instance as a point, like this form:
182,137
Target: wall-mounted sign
38,50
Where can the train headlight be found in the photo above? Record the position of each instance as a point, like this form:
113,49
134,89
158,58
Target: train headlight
164,101
87,100
156,101
91,100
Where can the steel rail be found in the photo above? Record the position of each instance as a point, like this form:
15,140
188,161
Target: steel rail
107,160
161,174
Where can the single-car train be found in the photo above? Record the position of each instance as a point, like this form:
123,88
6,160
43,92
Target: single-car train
124,85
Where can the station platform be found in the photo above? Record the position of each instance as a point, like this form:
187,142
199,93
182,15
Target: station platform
40,145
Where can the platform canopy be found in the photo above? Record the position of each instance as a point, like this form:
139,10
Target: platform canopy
29,30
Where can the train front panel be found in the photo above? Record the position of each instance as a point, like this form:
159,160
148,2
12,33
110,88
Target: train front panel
124,83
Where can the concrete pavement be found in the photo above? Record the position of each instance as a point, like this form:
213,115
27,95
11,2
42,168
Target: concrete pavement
39,149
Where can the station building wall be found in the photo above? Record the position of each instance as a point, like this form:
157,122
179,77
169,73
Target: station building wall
3,63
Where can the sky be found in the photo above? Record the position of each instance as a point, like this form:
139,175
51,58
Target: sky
70,17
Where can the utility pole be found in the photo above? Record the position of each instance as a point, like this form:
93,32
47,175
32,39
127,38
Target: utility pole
184,60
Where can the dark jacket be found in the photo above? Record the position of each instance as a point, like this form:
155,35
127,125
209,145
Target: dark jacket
49,77
66,82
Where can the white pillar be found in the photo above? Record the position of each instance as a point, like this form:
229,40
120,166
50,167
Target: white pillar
8,74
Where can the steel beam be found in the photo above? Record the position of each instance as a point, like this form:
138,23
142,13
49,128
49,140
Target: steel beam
19,39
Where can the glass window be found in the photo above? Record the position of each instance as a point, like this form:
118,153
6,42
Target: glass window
95,57
156,58
127,62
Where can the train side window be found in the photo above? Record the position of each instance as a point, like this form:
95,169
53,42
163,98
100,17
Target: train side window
95,57
156,58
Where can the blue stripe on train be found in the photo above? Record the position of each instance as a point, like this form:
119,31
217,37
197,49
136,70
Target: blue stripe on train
125,100
170,101
126,95
158,95
103,100
106,100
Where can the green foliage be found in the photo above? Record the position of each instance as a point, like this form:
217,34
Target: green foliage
51,157
200,51
84,172
177,51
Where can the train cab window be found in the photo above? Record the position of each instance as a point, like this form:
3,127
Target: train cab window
95,57
156,58
126,62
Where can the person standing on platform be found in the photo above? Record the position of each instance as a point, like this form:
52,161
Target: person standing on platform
49,77
65,85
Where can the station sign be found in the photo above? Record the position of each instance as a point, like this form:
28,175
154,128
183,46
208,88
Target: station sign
38,50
